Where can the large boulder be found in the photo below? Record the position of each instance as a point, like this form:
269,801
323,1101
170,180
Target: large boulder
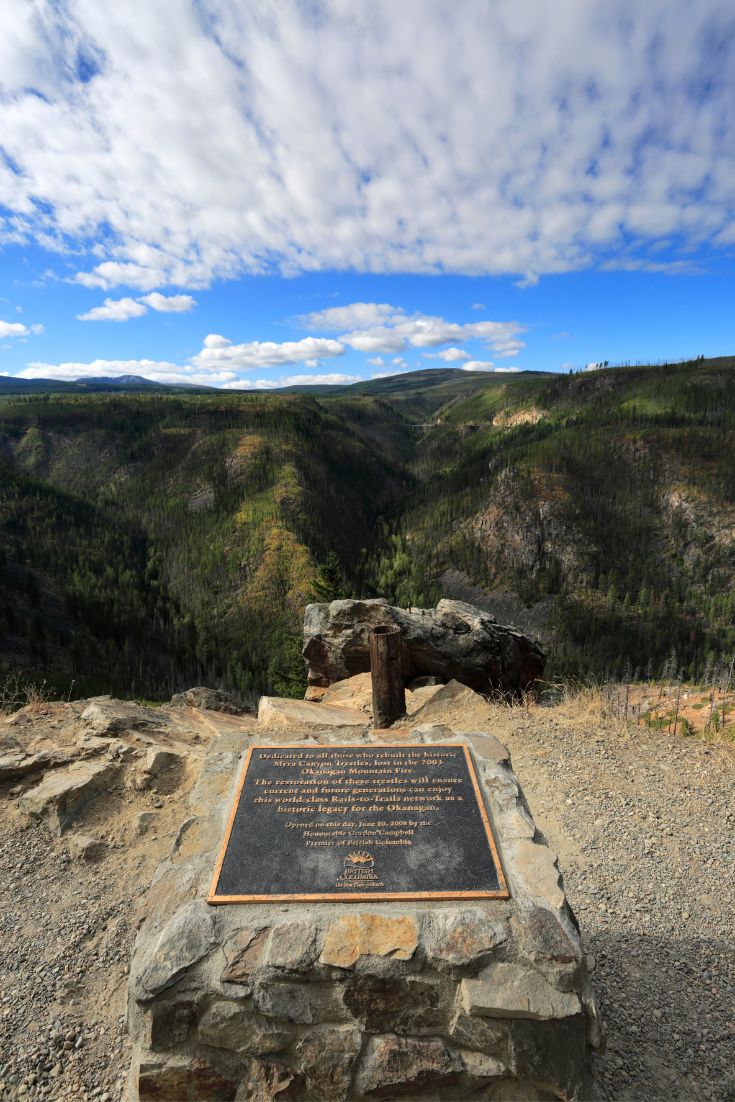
452,641
214,700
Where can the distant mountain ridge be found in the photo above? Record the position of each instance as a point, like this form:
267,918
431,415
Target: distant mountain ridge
405,385
117,380
11,384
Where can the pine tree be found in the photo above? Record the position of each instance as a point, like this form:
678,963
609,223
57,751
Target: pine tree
330,583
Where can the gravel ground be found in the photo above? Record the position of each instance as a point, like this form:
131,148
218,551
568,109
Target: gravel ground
67,926
644,824
66,938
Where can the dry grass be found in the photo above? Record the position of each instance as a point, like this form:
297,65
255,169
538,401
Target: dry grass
17,693
585,705
579,705
686,710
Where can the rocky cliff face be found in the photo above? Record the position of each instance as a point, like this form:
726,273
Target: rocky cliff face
530,538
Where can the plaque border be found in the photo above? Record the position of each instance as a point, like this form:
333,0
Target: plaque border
359,897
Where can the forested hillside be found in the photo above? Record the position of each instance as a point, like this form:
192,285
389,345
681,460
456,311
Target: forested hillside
606,499
151,540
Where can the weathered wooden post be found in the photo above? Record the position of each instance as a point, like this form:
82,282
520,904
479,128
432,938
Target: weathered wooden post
389,698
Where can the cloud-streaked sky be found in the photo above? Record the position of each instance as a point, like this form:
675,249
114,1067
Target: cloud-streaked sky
242,190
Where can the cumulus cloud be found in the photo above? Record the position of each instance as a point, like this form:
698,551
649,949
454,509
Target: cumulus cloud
169,304
219,352
332,379
356,315
120,309
399,331
200,371
158,371
485,365
377,339
524,139
450,355
219,363
530,279
17,329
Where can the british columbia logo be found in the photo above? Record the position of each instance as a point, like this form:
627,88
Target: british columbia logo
359,872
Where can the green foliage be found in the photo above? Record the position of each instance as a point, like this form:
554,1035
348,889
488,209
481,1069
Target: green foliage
171,540
287,669
330,583
152,540
606,492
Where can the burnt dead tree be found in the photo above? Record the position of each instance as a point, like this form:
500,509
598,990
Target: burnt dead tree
386,669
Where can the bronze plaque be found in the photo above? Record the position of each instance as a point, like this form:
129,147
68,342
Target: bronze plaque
356,822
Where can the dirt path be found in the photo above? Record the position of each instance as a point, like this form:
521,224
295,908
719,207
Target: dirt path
644,825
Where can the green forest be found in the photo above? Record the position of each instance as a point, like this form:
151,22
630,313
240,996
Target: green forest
151,540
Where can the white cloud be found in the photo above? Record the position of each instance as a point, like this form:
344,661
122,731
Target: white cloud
296,380
120,309
530,279
478,306
159,371
525,139
378,339
376,361
16,329
399,331
219,352
450,355
485,365
505,349
169,304
358,315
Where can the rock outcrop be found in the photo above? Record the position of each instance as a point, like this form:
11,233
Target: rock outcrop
214,700
453,641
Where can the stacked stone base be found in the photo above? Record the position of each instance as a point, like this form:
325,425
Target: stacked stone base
439,1000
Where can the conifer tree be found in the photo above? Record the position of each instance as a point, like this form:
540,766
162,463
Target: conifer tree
330,583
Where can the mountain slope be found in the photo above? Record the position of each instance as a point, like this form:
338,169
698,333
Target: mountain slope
237,499
612,493
595,509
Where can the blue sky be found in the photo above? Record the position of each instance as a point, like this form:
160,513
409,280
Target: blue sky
252,194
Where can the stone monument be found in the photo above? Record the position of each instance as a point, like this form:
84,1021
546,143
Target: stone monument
354,913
